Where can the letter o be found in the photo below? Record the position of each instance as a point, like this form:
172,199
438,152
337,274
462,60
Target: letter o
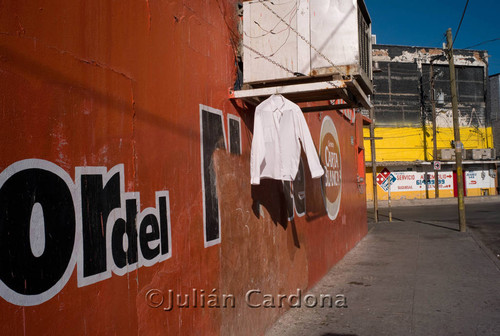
306,301
24,278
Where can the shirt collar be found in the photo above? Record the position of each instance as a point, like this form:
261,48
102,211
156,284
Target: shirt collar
277,102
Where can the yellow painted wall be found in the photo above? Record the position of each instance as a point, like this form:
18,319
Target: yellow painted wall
479,192
412,194
407,143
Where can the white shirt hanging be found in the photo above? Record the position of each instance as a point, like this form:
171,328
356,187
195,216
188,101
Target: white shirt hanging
279,124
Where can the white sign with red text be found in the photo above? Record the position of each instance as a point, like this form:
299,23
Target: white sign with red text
416,181
479,179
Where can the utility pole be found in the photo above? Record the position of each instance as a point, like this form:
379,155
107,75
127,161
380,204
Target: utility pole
374,164
456,131
389,198
434,132
424,132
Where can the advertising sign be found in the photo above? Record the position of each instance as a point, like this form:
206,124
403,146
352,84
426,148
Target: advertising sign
384,178
329,150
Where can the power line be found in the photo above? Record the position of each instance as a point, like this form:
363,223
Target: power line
443,38
460,24
484,42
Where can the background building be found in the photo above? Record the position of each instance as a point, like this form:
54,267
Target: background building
125,178
494,106
403,115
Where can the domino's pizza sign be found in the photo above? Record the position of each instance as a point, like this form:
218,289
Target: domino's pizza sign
383,179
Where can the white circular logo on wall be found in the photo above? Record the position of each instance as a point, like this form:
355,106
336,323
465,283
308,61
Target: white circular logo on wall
329,153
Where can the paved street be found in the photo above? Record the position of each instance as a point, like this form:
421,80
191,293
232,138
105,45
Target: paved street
482,216
416,275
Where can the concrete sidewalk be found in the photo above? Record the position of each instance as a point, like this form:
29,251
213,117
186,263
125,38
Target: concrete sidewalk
407,278
435,201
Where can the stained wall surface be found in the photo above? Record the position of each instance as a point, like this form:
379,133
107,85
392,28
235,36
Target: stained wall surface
124,177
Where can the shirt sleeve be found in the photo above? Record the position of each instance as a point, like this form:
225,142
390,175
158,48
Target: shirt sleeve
258,148
308,145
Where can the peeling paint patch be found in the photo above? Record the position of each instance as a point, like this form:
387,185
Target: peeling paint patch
380,54
61,145
404,54
103,154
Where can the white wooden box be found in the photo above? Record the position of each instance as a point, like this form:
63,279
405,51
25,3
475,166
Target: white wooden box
338,29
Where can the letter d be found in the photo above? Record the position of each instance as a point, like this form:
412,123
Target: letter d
298,297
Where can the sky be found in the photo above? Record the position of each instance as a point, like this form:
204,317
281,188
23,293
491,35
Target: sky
424,23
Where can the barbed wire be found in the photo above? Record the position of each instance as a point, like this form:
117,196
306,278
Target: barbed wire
292,13
301,36
270,59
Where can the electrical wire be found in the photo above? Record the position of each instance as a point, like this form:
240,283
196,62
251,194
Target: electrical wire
233,36
292,13
484,42
443,39
460,24
301,36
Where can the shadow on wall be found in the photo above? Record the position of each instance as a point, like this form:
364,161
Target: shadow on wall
270,194
260,248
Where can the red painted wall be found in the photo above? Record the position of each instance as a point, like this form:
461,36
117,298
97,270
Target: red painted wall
104,83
